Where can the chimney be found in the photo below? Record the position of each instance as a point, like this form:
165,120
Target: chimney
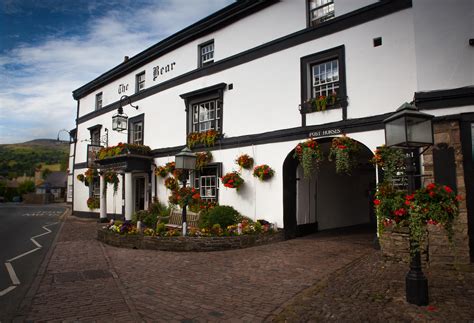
125,58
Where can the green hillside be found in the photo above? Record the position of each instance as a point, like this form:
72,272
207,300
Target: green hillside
19,159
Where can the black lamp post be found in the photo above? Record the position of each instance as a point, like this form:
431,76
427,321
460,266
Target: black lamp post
119,120
411,129
185,160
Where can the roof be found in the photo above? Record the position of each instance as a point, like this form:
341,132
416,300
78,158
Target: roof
233,12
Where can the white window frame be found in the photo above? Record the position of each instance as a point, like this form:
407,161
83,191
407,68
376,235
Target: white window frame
206,53
95,187
325,78
137,135
98,101
320,11
140,80
205,116
204,184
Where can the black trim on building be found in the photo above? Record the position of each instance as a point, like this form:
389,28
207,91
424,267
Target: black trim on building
445,98
218,20
97,126
349,20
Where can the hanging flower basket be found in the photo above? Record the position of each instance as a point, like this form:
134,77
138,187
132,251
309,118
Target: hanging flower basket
391,160
170,166
207,138
310,156
185,196
161,171
171,183
112,178
203,159
244,161
344,152
232,180
263,172
93,203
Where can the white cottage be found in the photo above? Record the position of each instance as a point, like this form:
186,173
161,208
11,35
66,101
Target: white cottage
247,70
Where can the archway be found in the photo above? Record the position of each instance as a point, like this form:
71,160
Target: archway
328,200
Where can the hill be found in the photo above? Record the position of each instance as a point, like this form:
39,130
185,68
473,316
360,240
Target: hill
22,158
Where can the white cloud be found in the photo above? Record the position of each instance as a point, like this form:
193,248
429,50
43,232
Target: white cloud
37,80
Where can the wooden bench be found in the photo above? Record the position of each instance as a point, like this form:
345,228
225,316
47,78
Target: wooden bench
176,216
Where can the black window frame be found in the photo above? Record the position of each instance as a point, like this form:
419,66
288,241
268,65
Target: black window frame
131,128
95,130
200,47
137,83
97,96
312,23
307,62
94,187
215,92
197,175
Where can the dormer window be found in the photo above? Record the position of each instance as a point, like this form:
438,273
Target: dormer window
320,11
206,53
140,81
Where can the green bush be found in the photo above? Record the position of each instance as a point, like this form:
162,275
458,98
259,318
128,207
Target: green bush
222,214
160,228
150,217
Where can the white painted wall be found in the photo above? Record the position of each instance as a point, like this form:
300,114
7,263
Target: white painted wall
442,30
342,7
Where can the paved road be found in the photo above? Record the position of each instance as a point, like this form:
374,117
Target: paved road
18,263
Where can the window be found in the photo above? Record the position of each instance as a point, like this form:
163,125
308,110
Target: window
323,74
206,53
98,101
95,137
206,181
206,116
204,108
325,78
140,81
320,11
136,128
94,190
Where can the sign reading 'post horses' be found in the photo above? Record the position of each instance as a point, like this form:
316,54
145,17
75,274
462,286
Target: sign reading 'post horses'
326,132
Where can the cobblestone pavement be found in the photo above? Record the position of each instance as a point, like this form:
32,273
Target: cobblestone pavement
317,278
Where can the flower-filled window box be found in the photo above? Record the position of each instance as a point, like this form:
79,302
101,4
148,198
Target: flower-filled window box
206,138
123,149
322,103
232,180
263,172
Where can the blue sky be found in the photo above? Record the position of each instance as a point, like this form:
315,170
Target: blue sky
48,48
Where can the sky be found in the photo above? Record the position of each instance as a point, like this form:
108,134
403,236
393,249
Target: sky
48,48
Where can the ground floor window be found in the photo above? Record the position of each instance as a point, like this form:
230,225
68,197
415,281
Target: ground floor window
207,182
94,188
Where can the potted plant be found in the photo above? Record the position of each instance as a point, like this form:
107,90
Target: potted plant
344,152
309,155
171,183
232,180
244,161
203,159
207,138
263,172
391,160
111,177
93,203
161,171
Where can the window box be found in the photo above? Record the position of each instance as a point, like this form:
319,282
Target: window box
126,157
322,104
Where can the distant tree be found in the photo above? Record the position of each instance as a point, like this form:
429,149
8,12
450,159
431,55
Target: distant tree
45,173
26,187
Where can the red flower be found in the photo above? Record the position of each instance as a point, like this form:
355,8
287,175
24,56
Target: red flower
377,202
407,202
458,198
430,186
410,197
196,196
342,147
433,222
432,194
448,189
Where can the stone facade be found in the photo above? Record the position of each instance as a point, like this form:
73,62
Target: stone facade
440,251
187,243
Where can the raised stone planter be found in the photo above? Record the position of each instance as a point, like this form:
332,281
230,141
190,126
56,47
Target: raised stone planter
187,243
395,243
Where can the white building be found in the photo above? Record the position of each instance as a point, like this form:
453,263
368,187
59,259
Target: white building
246,69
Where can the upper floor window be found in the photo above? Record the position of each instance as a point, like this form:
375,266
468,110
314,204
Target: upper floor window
140,81
320,11
204,108
323,76
206,53
98,101
135,129
95,136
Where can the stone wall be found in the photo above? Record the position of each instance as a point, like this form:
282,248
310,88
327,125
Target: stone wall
440,251
187,243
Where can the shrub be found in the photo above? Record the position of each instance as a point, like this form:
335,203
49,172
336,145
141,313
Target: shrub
222,214
160,228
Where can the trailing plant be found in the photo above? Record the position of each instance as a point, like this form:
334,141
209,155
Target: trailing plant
111,177
344,152
170,166
391,160
244,161
310,156
161,171
185,196
263,172
203,159
207,138
123,149
93,203
232,180
321,103
88,177
171,183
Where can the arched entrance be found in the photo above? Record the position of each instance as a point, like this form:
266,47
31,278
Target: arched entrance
327,200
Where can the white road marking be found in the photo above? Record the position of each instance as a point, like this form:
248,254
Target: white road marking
7,290
12,274
11,271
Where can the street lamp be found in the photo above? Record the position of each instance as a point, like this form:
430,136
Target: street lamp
411,129
119,120
185,160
